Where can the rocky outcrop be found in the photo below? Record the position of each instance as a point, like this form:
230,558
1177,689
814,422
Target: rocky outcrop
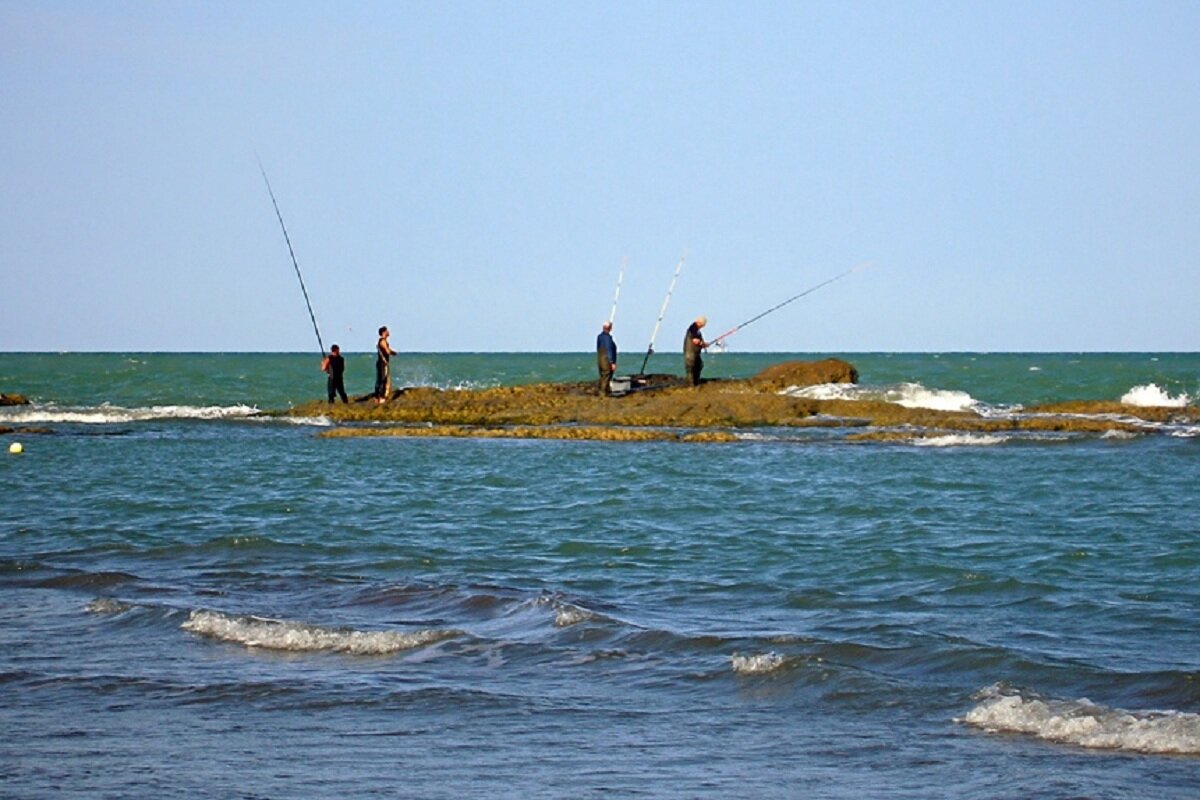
661,408
13,399
805,373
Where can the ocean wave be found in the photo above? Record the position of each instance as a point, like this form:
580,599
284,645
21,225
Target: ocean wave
1151,395
1085,724
565,614
568,615
106,606
960,440
269,634
909,395
759,664
314,422
106,414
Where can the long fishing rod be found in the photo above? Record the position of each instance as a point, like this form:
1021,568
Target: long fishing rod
791,299
620,277
292,252
662,312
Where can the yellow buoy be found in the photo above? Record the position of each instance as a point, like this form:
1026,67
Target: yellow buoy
15,448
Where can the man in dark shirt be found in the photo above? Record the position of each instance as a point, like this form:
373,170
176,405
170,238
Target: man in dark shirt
383,367
606,358
335,366
693,343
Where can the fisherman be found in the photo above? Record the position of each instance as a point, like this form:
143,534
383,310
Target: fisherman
693,343
335,366
383,367
606,358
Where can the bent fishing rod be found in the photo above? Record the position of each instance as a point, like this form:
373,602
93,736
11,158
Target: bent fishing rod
791,299
292,252
662,312
620,277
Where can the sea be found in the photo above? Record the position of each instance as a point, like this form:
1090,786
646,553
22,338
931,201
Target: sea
201,600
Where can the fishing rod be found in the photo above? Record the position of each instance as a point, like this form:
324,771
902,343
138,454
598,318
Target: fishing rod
791,299
662,312
620,277
292,252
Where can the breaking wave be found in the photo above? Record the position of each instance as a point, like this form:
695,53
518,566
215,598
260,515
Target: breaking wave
909,395
257,632
960,440
1151,395
760,664
106,414
106,606
1085,724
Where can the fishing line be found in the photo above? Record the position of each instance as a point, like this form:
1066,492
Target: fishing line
791,299
292,252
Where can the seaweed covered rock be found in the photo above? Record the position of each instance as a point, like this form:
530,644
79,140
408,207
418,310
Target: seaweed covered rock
13,399
805,373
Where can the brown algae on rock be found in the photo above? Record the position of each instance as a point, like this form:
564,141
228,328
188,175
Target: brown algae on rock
667,410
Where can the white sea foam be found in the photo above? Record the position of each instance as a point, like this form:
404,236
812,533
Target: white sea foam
567,615
759,664
1152,395
960,440
315,422
909,395
106,414
106,606
298,637
1118,435
1085,724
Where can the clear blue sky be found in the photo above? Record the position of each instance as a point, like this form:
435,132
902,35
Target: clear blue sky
1022,176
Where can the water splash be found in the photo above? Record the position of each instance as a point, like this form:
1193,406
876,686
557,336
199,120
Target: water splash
1085,724
257,632
1151,395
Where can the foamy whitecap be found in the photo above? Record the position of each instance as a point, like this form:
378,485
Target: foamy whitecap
106,414
1085,724
759,664
567,615
107,606
298,637
1119,435
1151,395
909,395
960,440
315,422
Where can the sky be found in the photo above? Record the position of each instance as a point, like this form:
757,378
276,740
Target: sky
1018,176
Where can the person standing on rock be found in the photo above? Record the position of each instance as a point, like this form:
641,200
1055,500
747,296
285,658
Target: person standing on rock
335,366
693,343
606,358
383,367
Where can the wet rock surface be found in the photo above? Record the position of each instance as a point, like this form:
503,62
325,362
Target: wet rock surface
663,408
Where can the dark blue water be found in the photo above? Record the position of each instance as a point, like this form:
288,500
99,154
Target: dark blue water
238,608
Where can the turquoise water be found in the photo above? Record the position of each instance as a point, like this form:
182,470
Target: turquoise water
196,602
272,380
